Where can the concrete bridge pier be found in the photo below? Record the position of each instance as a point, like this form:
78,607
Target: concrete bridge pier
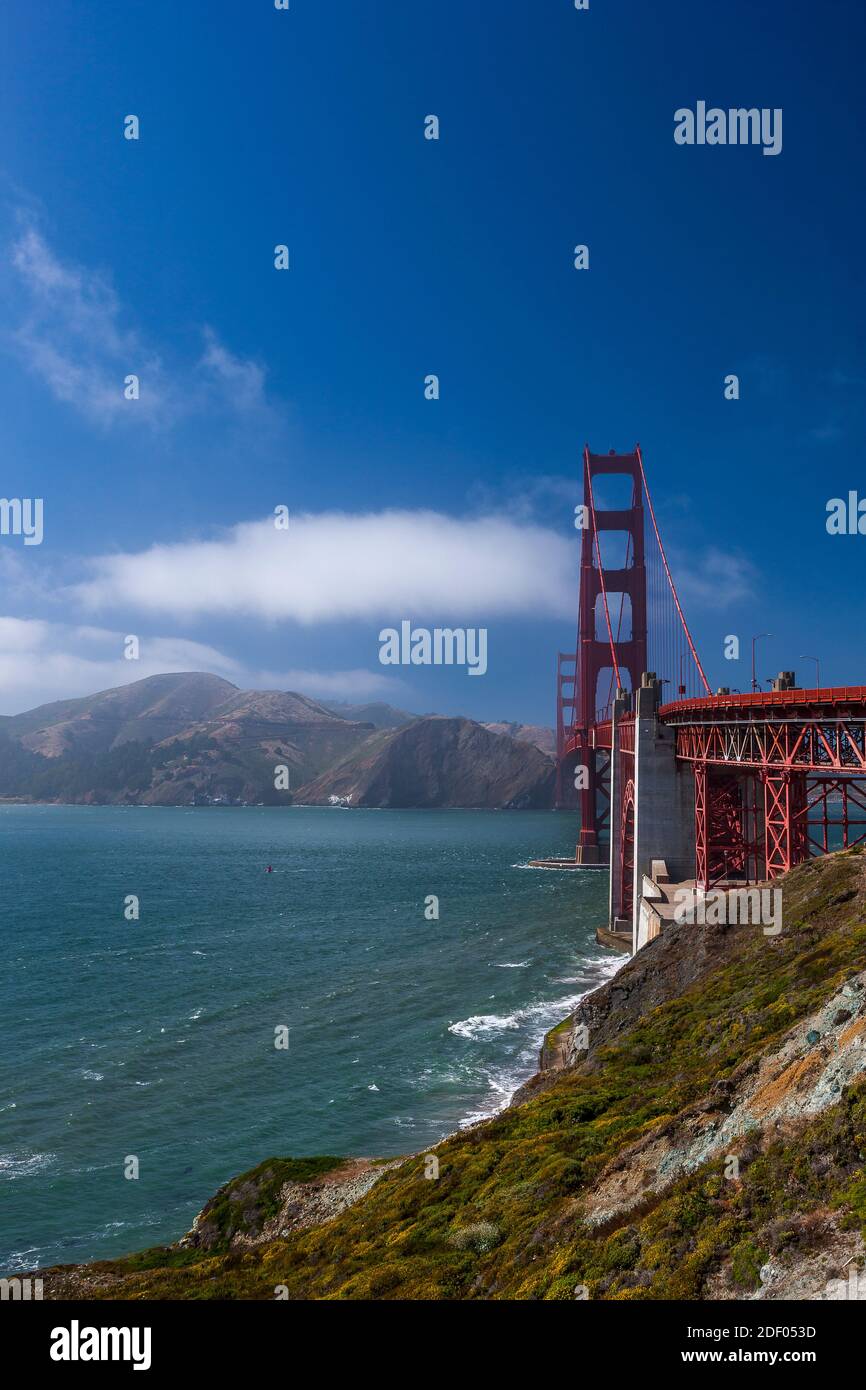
664,811
617,926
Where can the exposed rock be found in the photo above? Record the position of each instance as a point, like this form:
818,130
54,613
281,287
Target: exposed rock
829,1268
441,762
663,970
299,1203
767,1097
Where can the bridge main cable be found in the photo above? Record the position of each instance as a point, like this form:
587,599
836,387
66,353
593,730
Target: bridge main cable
670,577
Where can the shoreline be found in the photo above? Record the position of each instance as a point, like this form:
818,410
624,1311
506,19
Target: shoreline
470,1121
693,1134
433,1085
352,1163
264,806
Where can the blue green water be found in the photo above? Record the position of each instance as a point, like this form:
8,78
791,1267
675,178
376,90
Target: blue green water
155,1037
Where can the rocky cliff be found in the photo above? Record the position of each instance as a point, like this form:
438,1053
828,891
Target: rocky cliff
436,761
703,1138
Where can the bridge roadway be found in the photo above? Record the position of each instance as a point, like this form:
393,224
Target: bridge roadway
820,730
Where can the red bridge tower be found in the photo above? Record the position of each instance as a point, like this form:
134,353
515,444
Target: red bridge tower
601,650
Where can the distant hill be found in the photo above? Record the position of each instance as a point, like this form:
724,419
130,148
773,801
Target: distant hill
438,761
170,740
381,716
192,737
153,709
536,734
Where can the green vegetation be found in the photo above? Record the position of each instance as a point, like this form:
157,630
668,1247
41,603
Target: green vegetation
23,773
503,1220
482,1236
247,1202
130,769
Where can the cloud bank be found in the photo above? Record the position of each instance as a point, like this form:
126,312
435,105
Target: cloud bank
44,661
335,567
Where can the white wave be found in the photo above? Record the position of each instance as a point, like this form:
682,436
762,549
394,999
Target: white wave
536,1019
502,1088
564,868
484,1023
510,964
93,1075
443,1074
23,1260
552,1010
24,1165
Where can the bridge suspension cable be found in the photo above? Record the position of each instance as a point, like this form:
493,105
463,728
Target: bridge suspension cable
670,644
648,604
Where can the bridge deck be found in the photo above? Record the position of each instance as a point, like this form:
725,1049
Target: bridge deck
775,704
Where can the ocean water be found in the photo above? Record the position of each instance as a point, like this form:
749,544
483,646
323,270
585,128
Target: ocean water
155,1037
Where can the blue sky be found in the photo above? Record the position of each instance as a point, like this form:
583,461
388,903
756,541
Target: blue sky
408,257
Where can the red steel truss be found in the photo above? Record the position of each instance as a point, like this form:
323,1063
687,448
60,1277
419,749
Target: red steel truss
802,730
784,830
804,749
824,795
726,821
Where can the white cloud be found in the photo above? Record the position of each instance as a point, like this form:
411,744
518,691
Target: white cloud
22,635
239,380
74,338
337,567
43,661
713,579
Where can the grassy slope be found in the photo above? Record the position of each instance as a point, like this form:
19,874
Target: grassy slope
522,1172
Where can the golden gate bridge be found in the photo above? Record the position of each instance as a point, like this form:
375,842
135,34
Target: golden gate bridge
672,781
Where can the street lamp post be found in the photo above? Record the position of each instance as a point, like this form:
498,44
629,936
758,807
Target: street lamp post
803,657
